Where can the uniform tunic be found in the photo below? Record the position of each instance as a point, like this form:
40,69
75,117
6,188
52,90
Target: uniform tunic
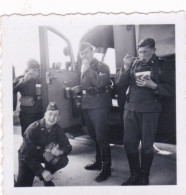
28,114
36,139
96,106
143,104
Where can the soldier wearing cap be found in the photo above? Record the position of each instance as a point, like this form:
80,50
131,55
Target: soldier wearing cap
30,101
149,79
95,105
44,142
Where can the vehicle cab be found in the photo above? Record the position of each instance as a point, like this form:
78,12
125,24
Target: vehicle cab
60,71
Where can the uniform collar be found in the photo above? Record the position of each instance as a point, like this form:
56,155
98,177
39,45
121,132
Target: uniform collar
152,61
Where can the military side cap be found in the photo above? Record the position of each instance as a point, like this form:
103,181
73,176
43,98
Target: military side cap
52,106
32,64
84,45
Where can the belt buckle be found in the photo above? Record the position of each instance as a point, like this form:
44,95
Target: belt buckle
84,92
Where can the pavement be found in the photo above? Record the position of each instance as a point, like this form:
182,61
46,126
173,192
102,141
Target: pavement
163,171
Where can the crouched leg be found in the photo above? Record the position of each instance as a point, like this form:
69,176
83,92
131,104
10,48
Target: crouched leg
57,163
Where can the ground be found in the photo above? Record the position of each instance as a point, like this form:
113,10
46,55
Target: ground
163,171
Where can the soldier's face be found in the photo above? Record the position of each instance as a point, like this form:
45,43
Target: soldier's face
34,73
87,54
146,53
52,117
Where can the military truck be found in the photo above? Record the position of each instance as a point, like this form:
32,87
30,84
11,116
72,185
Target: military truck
60,71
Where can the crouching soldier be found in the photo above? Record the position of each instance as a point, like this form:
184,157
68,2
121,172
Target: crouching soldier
44,142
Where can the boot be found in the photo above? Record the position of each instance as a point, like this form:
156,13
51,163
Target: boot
106,164
134,164
48,183
96,165
146,163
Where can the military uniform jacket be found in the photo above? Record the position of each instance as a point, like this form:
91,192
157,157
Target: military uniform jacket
97,76
36,138
28,88
143,99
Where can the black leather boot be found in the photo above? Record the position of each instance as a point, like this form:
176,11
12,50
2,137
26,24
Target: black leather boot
96,165
146,163
143,181
106,164
48,183
134,164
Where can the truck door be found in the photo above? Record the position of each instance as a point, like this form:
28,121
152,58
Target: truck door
58,72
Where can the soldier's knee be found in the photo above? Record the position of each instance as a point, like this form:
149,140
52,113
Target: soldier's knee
61,162
64,161
57,163
147,150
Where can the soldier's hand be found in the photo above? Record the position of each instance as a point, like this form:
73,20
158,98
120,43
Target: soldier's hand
28,76
128,60
56,151
76,89
146,83
85,65
47,176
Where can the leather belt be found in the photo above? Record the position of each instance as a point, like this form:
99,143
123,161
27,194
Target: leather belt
94,91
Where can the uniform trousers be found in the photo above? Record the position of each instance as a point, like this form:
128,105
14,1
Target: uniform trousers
26,175
140,126
96,121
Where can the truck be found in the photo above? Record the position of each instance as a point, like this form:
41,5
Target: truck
60,71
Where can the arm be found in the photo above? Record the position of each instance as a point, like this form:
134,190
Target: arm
17,84
64,144
99,79
29,150
122,78
166,86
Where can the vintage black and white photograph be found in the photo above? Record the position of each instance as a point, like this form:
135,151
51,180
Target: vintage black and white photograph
90,101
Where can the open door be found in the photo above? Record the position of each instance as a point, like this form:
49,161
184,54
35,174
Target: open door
58,72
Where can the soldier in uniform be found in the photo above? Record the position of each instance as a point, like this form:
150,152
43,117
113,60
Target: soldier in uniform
149,79
44,142
95,106
30,101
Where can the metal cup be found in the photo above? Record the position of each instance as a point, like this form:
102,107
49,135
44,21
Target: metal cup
68,92
38,89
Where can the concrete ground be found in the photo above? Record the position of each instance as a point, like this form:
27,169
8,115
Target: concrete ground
163,171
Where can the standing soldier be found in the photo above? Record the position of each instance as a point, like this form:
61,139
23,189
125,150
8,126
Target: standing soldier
96,103
30,101
44,142
148,78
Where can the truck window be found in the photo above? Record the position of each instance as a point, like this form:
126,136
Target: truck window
58,57
98,56
110,60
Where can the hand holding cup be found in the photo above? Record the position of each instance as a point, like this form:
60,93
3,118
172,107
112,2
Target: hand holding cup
128,60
